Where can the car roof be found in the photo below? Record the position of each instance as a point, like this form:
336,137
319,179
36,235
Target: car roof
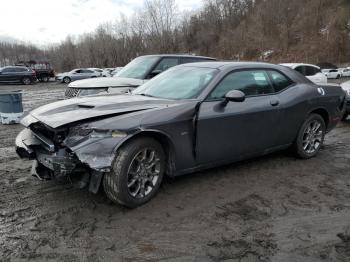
181,55
231,64
293,65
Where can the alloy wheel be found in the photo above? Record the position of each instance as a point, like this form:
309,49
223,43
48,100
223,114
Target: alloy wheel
313,137
143,173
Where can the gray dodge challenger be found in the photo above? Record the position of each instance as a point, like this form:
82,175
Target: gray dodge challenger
191,117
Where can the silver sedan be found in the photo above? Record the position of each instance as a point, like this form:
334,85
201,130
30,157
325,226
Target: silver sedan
76,74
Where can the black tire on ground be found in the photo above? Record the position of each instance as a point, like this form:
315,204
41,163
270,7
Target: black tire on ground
26,80
66,80
338,76
299,144
115,183
44,78
345,116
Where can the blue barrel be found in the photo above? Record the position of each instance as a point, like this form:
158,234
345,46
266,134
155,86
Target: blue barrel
11,102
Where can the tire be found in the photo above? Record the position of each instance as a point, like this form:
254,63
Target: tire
132,172
26,80
309,142
338,76
345,116
66,80
44,78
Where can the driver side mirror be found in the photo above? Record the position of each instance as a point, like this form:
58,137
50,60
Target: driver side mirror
234,96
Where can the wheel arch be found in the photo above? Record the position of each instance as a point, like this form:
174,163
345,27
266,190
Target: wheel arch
323,113
164,140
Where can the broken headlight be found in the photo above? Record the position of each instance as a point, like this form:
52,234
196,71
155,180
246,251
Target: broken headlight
84,131
104,133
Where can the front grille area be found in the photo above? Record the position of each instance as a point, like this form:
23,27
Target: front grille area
47,135
39,128
71,92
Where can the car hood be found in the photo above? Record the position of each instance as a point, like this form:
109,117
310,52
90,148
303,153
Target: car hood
107,82
73,110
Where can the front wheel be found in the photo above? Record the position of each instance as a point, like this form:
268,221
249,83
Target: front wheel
136,174
26,81
66,80
310,137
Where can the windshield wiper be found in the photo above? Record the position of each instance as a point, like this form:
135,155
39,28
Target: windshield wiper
144,94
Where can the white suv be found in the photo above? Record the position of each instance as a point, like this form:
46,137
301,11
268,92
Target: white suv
312,72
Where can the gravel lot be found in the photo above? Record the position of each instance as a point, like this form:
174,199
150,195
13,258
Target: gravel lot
274,208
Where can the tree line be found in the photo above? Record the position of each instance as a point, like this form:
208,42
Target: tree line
310,31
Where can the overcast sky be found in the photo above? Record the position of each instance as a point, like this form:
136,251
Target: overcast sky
50,21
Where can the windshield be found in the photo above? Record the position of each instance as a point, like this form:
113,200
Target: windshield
178,83
138,67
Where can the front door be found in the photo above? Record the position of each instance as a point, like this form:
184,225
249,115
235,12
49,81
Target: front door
239,129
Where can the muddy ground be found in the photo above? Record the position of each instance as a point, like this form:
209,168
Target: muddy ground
274,208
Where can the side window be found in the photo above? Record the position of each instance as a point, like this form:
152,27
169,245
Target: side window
251,83
8,70
279,81
310,71
300,69
86,71
166,63
78,71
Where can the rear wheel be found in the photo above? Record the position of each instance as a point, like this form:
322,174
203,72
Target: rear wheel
45,78
345,116
26,81
310,137
136,174
66,80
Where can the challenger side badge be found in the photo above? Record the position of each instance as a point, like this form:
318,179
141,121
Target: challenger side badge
321,91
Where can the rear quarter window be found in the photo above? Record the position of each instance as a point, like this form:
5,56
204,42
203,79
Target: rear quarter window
279,81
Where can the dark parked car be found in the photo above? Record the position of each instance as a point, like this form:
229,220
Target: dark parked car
14,74
138,71
42,69
192,117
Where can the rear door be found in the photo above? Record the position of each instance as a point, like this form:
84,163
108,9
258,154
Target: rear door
86,73
239,129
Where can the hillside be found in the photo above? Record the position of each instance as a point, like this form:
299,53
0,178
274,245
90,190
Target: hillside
311,31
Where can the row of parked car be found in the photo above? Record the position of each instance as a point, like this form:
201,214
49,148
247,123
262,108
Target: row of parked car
83,73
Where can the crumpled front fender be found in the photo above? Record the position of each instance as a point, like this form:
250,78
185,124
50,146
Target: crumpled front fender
99,154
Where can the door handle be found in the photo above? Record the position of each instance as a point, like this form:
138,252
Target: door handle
274,102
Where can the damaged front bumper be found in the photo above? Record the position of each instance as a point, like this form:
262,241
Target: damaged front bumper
90,158
35,147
